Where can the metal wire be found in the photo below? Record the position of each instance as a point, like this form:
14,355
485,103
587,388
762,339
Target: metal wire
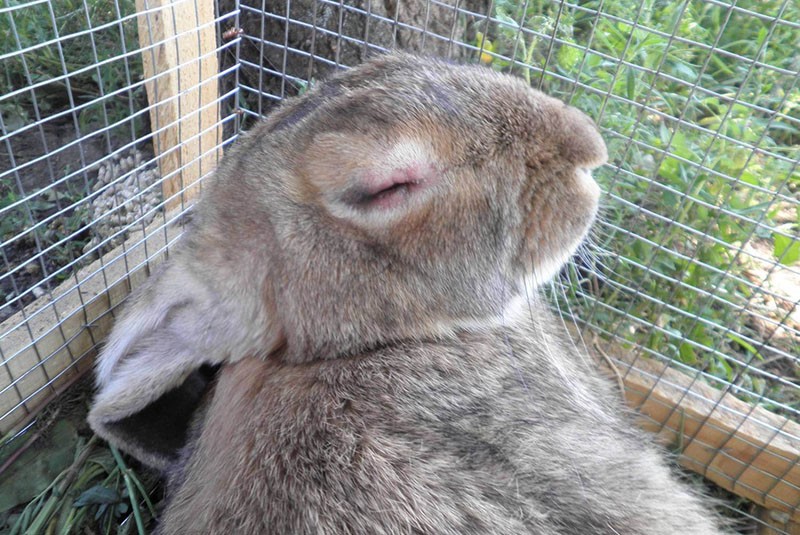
49,217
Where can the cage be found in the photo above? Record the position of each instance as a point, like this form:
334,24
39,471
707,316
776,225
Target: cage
113,113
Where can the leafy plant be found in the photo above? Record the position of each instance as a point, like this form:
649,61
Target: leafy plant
47,47
703,145
97,490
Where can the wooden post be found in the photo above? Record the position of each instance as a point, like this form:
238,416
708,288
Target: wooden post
178,42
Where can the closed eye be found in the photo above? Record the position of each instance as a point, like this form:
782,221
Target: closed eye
403,189
391,195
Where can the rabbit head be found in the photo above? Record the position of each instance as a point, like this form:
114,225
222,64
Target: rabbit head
400,200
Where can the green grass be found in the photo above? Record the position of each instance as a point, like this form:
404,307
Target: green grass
98,489
687,163
61,55
59,478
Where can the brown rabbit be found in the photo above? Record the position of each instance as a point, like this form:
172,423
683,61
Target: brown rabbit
360,268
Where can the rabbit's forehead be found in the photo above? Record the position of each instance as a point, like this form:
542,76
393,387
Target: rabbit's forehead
395,98
472,103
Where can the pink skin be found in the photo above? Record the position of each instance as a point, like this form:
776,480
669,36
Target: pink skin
390,190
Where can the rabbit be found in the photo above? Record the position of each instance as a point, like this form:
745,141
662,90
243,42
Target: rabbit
348,338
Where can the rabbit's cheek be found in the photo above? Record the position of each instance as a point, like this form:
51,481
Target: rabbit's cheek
559,219
580,208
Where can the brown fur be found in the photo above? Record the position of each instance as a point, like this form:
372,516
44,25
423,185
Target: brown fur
382,369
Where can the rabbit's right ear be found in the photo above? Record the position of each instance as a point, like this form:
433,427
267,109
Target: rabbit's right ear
160,359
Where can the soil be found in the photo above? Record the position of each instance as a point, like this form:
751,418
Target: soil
31,176
773,313
41,141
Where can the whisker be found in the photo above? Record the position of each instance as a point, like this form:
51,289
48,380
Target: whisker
560,289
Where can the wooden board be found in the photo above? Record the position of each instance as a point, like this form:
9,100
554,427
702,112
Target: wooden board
178,42
776,523
743,448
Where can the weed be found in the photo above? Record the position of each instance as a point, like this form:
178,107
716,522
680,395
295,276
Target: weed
704,144
68,66
97,492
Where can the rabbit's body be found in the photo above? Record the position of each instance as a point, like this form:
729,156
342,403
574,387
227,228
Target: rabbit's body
475,433
359,268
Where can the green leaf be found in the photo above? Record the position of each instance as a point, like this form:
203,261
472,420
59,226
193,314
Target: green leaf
97,495
743,344
568,57
721,368
687,353
630,84
35,469
786,249
505,19
749,178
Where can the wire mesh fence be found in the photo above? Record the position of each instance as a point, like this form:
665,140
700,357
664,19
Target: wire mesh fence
691,288
84,175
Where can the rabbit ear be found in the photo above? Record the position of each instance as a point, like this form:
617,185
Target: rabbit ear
159,361
156,432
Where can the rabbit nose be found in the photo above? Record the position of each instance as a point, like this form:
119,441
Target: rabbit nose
581,143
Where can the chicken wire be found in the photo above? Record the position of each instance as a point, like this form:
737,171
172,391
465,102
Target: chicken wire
693,263
80,183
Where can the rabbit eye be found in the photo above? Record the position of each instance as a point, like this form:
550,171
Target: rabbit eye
389,193
357,176
395,189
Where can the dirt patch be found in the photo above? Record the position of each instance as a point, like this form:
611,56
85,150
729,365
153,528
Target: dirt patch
39,159
773,313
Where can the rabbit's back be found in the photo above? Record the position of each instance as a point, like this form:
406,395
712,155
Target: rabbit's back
504,430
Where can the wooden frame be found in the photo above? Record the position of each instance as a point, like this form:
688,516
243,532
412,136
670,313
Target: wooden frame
742,448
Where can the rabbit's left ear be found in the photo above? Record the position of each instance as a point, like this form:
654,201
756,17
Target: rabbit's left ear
156,432
160,360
